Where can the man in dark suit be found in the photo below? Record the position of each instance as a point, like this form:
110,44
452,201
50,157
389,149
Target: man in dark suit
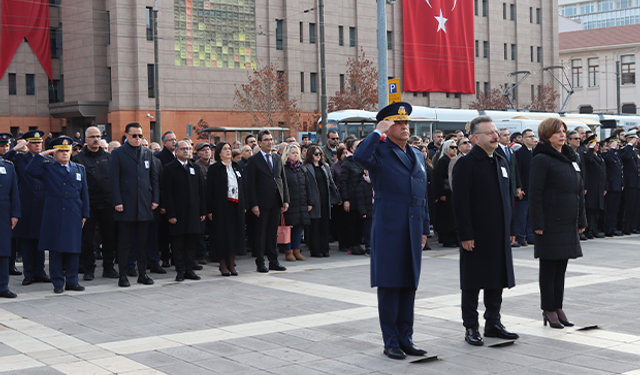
5,140
184,200
524,155
482,206
506,152
400,224
32,194
166,156
615,183
268,197
631,163
9,215
595,185
135,191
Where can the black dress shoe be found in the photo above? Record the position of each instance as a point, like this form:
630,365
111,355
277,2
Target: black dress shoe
234,273
262,268
618,233
635,231
395,353
8,294
598,235
197,267
192,275
27,280
626,233
412,350
472,336
123,282
166,264
77,287
13,271
145,279
228,273
42,279
57,289
88,276
158,270
180,276
583,237
110,273
317,255
132,273
609,234
326,255
498,330
277,267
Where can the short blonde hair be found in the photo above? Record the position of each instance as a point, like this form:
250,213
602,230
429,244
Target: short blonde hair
549,127
287,151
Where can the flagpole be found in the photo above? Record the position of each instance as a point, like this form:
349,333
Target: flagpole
383,95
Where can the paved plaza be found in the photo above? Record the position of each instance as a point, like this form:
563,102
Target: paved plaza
320,317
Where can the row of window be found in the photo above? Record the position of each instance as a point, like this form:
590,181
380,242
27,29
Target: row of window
512,11
600,6
56,89
313,38
609,19
627,70
537,57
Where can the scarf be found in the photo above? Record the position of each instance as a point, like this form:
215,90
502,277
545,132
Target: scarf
294,165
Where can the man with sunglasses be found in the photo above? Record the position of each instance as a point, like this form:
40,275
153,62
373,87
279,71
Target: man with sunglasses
135,191
333,140
464,146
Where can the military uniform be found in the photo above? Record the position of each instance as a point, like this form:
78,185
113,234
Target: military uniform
5,142
9,208
615,182
631,167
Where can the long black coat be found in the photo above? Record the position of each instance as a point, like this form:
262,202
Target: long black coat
445,221
524,157
615,179
314,192
596,182
299,197
483,206
165,156
183,197
365,198
631,166
556,203
514,178
350,177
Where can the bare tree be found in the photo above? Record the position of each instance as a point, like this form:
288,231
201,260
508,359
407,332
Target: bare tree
491,100
546,100
360,89
202,124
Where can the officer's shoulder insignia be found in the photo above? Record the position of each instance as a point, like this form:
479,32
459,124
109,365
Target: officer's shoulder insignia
10,162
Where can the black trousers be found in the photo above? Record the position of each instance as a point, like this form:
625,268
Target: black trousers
124,245
395,310
592,221
184,251
266,234
492,303
103,218
318,236
630,209
611,209
551,281
353,227
164,238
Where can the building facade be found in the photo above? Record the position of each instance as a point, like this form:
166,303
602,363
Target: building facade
603,13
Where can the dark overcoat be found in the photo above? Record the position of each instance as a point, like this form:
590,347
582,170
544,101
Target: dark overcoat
65,205
524,157
314,192
556,203
596,182
32,193
134,183
482,206
299,197
514,178
400,211
165,156
9,204
631,166
615,180
262,182
183,197
365,198
444,221
350,177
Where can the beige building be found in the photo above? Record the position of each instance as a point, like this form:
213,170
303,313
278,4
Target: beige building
103,58
590,56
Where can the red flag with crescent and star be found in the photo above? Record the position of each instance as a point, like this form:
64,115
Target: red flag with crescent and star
438,46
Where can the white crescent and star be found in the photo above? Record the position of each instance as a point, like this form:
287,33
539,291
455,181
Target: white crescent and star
441,22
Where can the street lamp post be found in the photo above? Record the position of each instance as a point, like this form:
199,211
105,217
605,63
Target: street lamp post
156,77
619,78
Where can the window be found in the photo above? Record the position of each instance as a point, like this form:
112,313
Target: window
539,53
56,92
484,8
576,73
533,92
301,81
279,34
628,70
280,87
594,79
110,86
531,53
301,32
55,37
505,51
504,11
586,109
513,52
530,15
621,4
605,5
341,82
149,23
486,88
477,89
415,94
485,49
586,8
390,40
569,10
456,95
448,95
314,82
538,16
352,37
475,7
13,85
312,33
340,36
512,12
151,81
477,50
426,95
109,27
629,108
30,80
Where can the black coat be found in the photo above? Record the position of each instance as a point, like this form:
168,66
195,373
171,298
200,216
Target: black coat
596,182
524,157
631,166
314,192
32,195
262,183
299,197
444,221
183,197
350,177
165,156
96,165
514,174
483,206
365,199
615,180
556,203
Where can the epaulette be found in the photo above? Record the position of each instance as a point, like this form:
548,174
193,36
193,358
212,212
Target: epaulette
6,160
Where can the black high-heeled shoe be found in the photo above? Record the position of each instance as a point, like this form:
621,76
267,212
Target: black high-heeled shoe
566,323
234,273
545,320
224,273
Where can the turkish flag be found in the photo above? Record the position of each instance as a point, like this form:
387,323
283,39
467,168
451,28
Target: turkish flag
25,19
438,46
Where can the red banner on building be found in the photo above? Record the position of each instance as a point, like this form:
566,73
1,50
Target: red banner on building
25,19
438,46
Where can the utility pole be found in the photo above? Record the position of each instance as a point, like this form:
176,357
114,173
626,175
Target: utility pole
619,77
156,75
323,76
383,95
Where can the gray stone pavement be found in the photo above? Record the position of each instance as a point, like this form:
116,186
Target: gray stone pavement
320,317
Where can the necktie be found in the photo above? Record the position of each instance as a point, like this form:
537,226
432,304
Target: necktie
186,166
506,151
269,161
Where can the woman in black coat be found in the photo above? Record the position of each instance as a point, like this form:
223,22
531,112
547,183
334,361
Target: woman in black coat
350,177
557,212
300,201
338,231
431,188
225,206
596,186
445,223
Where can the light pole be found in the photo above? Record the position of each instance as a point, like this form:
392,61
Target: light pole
323,76
619,78
156,66
383,95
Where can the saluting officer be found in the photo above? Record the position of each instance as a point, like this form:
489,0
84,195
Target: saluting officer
66,208
631,163
616,186
5,140
9,214
32,194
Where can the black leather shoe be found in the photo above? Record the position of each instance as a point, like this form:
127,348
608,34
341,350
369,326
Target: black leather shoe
8,294
262,268
635,231
166,264
191,275
317,255
123,282
57,289
277,267
88,276
158,270
77,287
27,281
394,353
618,234
13,271
42,279
609,234
180,276
197,267
498,330
472,336
598,235
583,237
110,273
412,350
132,273
626,233
145,279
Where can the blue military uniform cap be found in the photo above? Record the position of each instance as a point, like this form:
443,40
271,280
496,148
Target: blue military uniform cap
613,138
63,143
591,139
33,136
5,138
399,111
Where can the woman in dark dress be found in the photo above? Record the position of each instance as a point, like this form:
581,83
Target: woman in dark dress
350,178
445,223
226,206
299,201
323,191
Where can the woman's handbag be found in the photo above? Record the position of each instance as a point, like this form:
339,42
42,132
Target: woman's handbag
284,232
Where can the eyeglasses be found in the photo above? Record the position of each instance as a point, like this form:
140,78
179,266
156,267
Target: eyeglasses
453,147
267,140
464,143
573,139
136,135
334,139
489,133
184,148
317,153
95,136
171,140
